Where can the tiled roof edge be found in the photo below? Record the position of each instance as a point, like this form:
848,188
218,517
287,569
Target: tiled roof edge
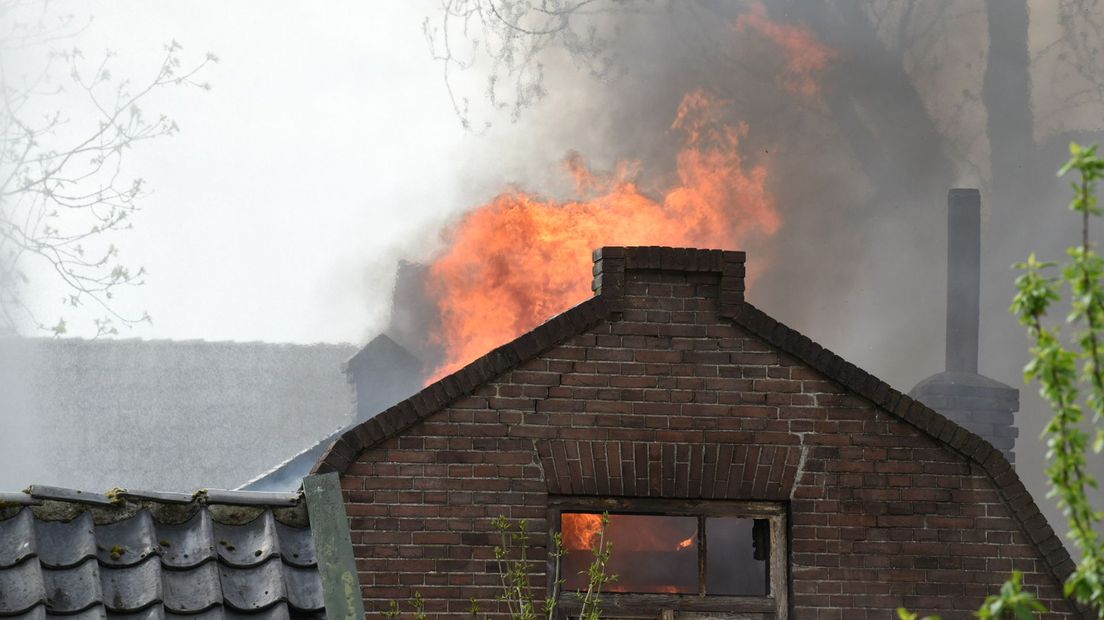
36,494
974,448
328,439
266,499
164,497
76,496
21,498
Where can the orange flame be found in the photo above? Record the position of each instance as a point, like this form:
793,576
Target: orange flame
686,543
580,530
806,57
521,259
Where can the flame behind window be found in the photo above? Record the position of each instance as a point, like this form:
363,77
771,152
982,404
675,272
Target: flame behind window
658,554
651,553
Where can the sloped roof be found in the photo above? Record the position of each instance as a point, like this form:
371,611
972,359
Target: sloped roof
610,266
150,555
383,372
88,413
289,474
380,354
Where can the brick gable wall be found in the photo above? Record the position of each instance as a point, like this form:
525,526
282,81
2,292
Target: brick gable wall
661,396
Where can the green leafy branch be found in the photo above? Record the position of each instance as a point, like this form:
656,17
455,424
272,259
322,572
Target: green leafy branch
519,576
515,569
597,577
1062,371
1010,603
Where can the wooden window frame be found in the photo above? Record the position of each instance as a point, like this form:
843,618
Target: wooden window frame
662,605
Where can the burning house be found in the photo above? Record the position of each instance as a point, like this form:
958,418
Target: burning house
743,471
746,470
738,468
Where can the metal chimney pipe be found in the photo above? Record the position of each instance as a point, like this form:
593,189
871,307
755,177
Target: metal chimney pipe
963,279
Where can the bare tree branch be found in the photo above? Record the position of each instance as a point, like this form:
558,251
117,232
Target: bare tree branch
63,189
511,36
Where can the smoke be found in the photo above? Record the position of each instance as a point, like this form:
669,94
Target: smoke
864,115
847,233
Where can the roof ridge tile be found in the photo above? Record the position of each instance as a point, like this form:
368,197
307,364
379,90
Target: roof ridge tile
165,497
40,491
19,498
268,499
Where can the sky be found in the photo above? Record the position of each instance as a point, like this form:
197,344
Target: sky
276,212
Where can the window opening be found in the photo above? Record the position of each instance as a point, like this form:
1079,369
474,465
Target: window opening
738,563
688,557
665,554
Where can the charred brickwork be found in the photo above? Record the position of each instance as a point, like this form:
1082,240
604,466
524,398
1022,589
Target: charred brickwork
668,386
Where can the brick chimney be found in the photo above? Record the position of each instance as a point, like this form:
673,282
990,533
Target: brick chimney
980,404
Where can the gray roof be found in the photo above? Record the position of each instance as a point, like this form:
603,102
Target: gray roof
90,414
382,373
214,553
289,474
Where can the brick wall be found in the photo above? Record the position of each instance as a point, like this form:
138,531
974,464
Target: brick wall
659,395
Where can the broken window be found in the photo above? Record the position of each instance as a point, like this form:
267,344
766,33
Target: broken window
675,556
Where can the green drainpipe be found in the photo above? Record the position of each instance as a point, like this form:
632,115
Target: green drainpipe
333,546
